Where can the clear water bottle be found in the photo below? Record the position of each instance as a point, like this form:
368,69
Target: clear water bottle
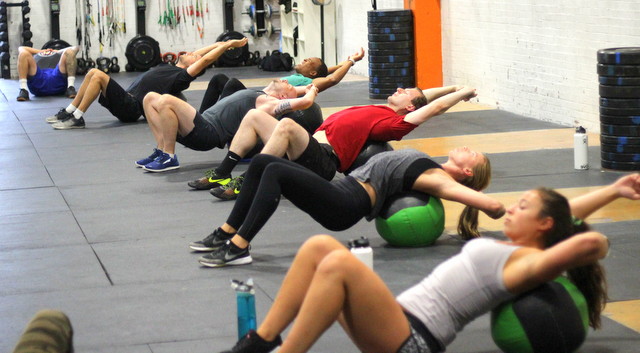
580,149
361,249
246,301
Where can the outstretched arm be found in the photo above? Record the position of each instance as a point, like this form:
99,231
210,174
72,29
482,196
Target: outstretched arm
34,51
204,50
338,72
440,105
437,92
213,55
530,267
627,186
438,183
277,107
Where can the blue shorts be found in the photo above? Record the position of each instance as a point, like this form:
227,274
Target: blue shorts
47,82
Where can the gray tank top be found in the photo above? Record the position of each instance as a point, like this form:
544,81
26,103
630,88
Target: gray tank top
227,113
385,172
460,289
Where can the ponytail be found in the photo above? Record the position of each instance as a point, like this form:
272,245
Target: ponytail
590,279
468,221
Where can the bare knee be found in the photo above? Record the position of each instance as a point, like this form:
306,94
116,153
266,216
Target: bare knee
287,127
321,245
99,77
150,99
167,101
337,262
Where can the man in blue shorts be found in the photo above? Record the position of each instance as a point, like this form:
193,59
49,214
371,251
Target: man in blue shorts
46,72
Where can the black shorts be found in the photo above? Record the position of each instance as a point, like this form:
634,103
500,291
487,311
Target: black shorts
203,137
120,103
319,158
420,340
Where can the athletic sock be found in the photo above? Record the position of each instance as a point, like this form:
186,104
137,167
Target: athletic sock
23,83
172,155
78,113
71,80
228,163
70,109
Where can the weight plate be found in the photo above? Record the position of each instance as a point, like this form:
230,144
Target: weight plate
604,147
624,56
386,30
393,85
396,45
404,51
405,64
388,12
619,91
390,37
619,81
620,120
620,165
619,103
619,111
620,130
620,140
402,80
389,58
402,24
620,157
390,19
391,72
235,56
56,44
619,70
143,53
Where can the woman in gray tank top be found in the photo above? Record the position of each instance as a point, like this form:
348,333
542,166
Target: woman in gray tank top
326,283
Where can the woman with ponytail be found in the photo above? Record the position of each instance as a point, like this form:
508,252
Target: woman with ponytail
326,283
340,204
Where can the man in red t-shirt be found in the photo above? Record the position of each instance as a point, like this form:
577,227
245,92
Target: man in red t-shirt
345,133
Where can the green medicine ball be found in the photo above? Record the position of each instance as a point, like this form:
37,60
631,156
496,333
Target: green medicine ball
411,219
552,318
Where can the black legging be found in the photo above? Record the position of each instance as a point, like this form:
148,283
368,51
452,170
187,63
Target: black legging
336,205
219,87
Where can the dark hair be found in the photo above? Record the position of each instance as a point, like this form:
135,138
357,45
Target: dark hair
590,279
321,70
420,101
468,221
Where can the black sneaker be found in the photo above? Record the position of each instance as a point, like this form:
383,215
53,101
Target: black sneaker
23,95
225,257
62,115
71,123
212,242
70,92
210,180
230,191
253,343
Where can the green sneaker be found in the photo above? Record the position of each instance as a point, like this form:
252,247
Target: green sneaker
230,191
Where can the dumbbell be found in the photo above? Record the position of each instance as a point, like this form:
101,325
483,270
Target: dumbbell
257,32
27,34
102,64
268,11
26,9
113,66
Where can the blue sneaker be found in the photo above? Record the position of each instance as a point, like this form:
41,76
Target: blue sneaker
162,163
144,161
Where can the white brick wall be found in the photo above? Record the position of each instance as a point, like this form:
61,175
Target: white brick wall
535,57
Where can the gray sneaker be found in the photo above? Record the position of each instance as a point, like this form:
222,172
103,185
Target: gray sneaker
224,256
212,242
71,123
62,115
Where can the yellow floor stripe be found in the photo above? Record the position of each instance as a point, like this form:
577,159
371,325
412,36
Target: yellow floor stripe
500,142
627,313
619,210
263,82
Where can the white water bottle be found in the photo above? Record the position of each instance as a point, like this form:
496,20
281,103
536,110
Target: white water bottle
360,248
580,149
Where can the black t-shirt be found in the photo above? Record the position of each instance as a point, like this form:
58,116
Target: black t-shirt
161,79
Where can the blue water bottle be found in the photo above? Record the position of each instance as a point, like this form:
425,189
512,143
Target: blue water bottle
246,301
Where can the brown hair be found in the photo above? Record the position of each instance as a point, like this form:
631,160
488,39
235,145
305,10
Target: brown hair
468,221
590,279
420,101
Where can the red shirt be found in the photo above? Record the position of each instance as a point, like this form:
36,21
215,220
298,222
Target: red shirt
348,130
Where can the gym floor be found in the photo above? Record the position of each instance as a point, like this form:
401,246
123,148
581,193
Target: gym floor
84,231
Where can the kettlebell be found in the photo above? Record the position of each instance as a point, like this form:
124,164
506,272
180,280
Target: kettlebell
113,65
103,64
81,66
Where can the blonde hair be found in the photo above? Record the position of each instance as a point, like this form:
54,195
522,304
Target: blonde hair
468,221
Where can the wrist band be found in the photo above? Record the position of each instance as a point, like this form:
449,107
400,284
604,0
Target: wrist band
352,61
